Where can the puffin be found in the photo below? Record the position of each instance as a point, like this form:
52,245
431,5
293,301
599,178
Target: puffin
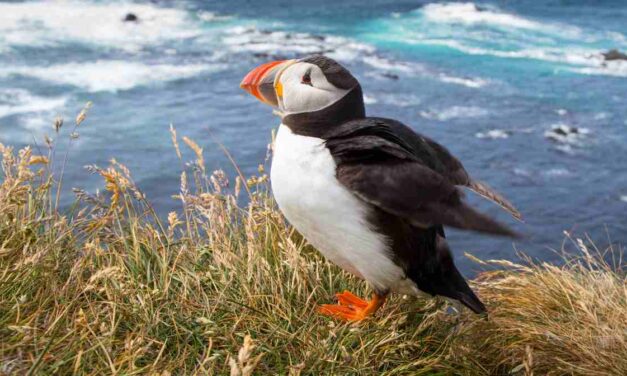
369,193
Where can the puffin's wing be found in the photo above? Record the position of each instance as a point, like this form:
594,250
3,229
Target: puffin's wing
424,150
456,172
383,169
413,191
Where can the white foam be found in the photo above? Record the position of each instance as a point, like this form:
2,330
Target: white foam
609,68
282,43
211,16
601,116
401,100
588,61
370,100
493,134
552,54
522,172
37,121
623,198
565,134
557,172
469,13
472,82
410,68
455,112
109,75
41,23
20,101
566,149
382,63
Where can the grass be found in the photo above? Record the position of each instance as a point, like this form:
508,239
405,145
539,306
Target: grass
108,287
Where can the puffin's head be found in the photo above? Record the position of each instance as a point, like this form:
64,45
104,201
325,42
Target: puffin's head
314,85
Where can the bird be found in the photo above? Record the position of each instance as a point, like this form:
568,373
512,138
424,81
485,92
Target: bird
369,193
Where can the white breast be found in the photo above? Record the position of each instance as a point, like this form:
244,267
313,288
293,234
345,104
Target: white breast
330,217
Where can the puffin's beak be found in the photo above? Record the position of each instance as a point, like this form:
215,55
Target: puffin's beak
263,83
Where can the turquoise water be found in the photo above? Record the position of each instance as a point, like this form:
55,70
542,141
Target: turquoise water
489,80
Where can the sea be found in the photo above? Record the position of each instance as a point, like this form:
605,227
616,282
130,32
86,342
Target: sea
519,90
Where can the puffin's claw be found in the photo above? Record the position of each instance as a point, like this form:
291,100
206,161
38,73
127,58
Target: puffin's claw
351,307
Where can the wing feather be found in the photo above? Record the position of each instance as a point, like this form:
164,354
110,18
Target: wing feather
388,165
372,137
483,190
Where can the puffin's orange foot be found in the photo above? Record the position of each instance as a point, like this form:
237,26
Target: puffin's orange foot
351,307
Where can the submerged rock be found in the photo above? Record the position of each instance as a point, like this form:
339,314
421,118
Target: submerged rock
391,76
130,17
563,133
614,54
270,56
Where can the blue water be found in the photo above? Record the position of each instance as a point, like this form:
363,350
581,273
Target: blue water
489,80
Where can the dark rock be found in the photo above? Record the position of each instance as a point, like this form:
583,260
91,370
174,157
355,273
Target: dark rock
131,17
270,56
391,76
565,130
614,55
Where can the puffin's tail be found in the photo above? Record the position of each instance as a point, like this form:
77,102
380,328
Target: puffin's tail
455,285
439,275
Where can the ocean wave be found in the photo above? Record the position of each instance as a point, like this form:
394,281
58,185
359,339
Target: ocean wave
370,99
486,30
557,172
472,82
284,44
212,16
401,100
551,54
44,23
470,13
493,134
585,60
566,136
385,64
391,68
20,101
609,68
109,75
454,112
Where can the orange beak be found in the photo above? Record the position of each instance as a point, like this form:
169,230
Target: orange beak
263,81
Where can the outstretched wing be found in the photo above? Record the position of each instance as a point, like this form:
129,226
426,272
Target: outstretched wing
405,174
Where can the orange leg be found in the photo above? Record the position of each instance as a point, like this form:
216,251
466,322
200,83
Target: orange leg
351,307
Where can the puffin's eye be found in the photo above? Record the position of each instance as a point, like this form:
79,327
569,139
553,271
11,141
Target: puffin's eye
306,79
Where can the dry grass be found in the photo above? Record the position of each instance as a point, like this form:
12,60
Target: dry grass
110,288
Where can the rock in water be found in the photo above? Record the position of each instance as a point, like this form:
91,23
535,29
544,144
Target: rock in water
614,55
566,134
131,17
391,76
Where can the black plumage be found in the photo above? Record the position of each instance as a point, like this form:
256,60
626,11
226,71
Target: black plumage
387,164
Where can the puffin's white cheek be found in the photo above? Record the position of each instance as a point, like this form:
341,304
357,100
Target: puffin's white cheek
305,99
